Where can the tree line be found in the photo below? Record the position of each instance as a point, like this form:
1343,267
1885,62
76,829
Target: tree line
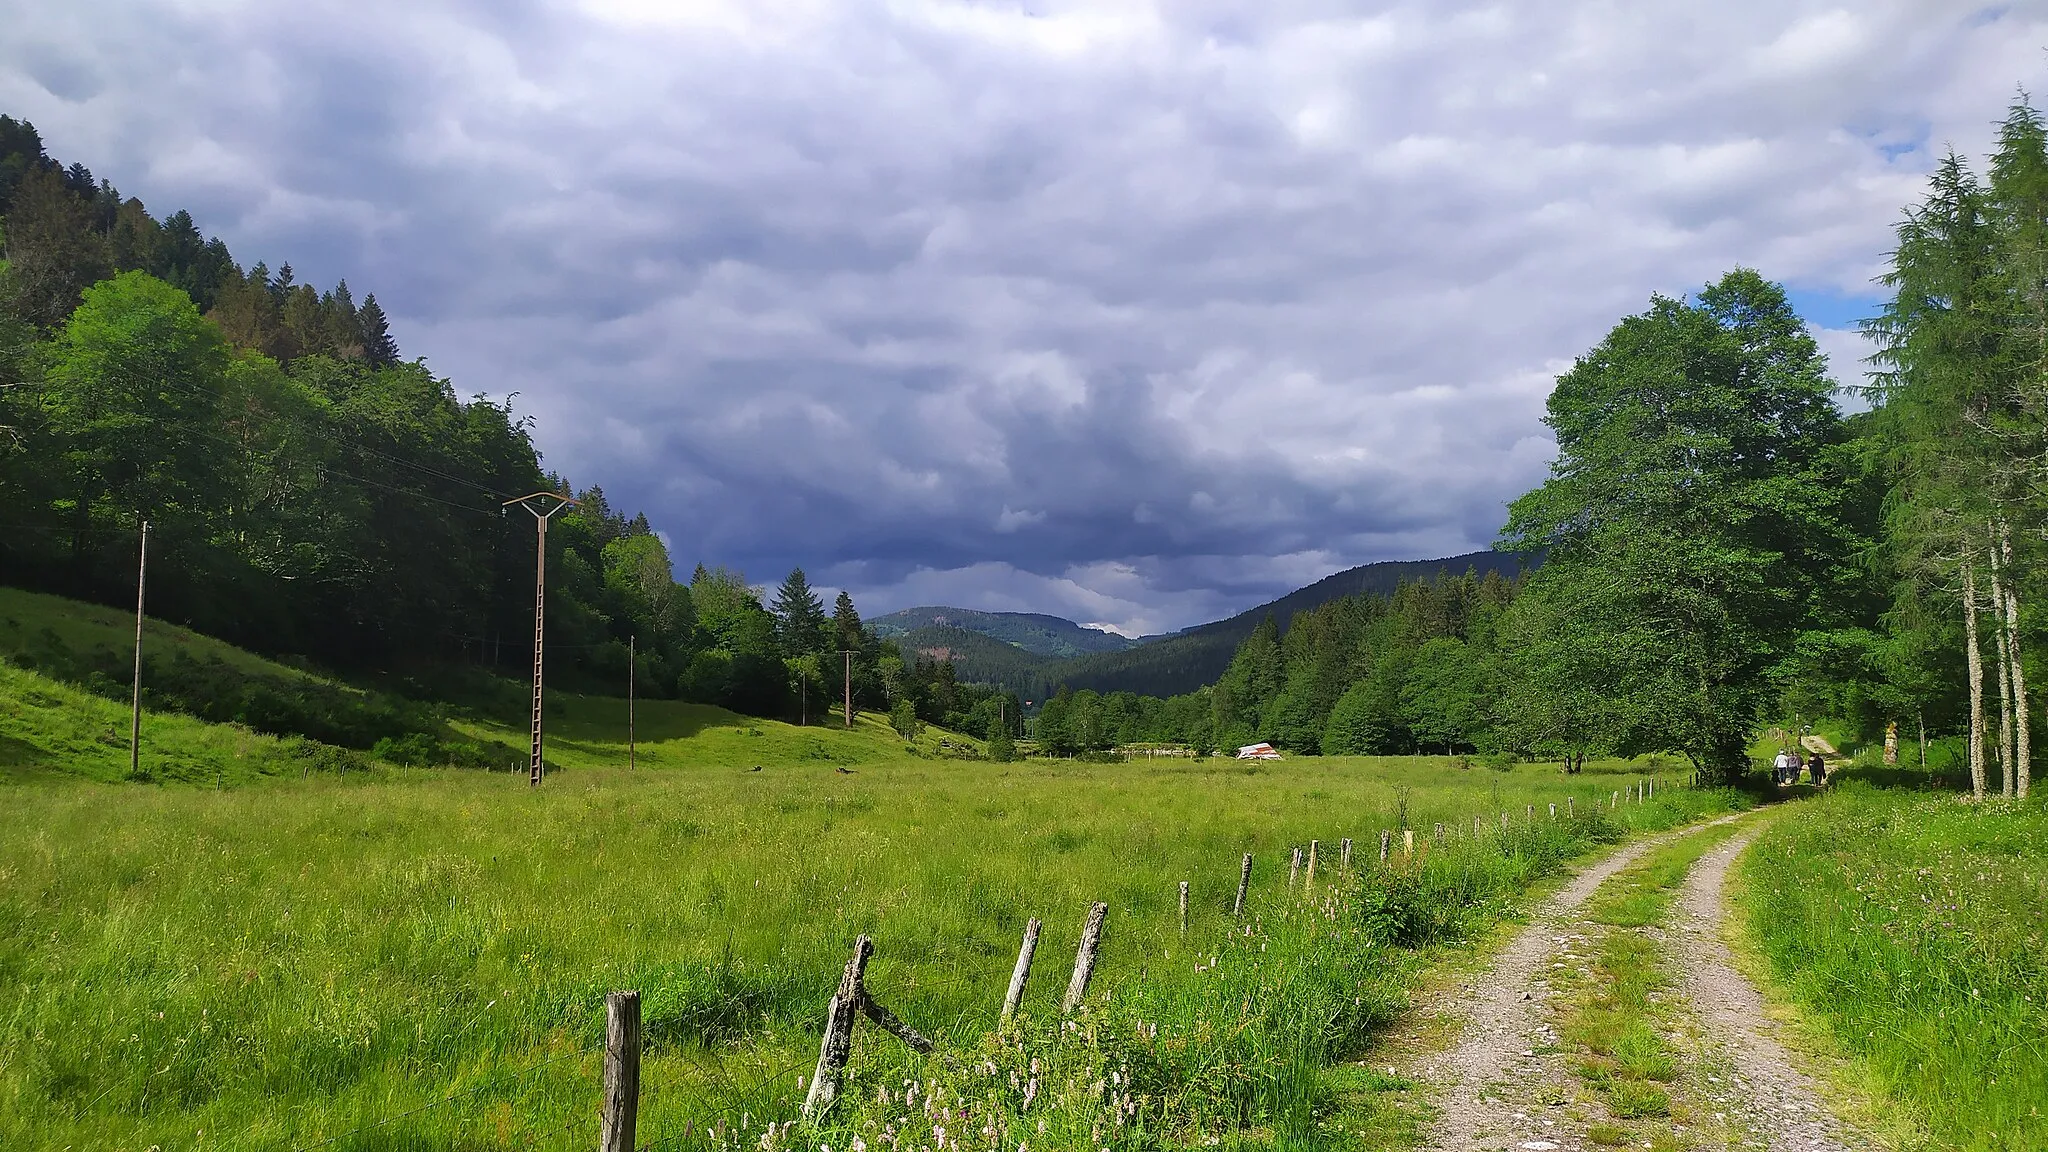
311,492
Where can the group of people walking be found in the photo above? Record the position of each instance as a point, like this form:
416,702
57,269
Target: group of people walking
1786,767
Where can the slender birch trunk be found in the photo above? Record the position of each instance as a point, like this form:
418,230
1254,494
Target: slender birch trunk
2023,751
2000,646
1975,659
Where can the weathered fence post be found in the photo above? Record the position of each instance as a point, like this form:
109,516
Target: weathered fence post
1571,807
1613,800
1183,907
1438,835
1653,787
1345,858
838,1041
1314,848
1385,838
1022,972
1553,811
1244,879
1294,868
1476,823
1503,821
1084,958
1531,814
620,1117
1408,842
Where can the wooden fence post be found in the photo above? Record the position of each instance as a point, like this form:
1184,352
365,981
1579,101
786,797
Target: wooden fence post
1022,972
1084,958
1183,907
1438,835
838,1041
1571,807
1385,838
1294,868
1407,841
1244,879
1345,854
1314,847
1531,814
1476,822
620,1118
1553,811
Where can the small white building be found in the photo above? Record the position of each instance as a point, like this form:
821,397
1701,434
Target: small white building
1259,751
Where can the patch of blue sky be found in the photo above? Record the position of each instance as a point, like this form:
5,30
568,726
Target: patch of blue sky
1832,308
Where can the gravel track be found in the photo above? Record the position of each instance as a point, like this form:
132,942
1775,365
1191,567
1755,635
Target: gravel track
1766,1092
1499,1080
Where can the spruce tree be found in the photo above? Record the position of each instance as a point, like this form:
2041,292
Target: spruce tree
379,349
846,624
799,616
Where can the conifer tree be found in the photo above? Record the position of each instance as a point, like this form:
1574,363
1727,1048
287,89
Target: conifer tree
799,617
379,349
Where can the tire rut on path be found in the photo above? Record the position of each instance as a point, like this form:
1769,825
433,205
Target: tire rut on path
1766,1090
1507,1036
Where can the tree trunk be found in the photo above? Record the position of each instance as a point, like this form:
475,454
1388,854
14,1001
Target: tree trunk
1975,660
2001,644
2023,751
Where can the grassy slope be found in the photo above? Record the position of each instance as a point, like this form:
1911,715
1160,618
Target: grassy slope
46,726
1910,925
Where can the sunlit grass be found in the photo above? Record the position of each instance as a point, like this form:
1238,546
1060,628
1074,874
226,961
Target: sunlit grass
1911,925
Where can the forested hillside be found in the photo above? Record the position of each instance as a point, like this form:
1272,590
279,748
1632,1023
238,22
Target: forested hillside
310,492
1187,661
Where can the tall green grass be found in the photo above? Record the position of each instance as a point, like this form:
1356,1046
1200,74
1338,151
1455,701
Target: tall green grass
1913,925
293,961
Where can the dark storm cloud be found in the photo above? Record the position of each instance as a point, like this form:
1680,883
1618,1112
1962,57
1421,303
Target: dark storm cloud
1135,313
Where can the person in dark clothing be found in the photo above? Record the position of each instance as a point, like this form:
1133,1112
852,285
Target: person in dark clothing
1817,767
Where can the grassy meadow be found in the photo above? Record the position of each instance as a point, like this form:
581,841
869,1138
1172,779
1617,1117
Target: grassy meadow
1909,923
298,955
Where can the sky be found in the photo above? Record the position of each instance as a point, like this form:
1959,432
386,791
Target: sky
1135,313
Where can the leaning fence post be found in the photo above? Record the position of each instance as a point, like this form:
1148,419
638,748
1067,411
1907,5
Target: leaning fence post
621,1111
1294,868
838,1041
1022,972
1346,854
1314,847
1385,838
1183,907
1571,807
1244,879
1084,958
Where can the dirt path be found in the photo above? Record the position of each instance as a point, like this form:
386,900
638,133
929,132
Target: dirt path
1507,1084
1505,1080
1764,1091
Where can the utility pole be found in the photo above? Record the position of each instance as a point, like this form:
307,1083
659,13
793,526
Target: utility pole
135,707
632,666
849,686
543,505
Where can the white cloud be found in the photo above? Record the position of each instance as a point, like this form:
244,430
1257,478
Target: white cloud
1089,306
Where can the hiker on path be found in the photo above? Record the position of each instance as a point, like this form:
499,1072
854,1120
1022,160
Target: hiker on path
1817,767
1782,767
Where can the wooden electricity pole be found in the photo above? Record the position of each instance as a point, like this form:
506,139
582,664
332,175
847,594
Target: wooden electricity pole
848,713
543,505
632,666
135,706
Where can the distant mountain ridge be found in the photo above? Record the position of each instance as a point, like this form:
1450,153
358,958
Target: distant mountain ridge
1033,632
1034,653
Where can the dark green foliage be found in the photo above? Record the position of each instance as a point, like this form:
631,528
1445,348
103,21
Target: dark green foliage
1693,525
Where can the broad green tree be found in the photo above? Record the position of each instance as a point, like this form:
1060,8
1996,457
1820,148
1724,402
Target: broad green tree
1690,521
